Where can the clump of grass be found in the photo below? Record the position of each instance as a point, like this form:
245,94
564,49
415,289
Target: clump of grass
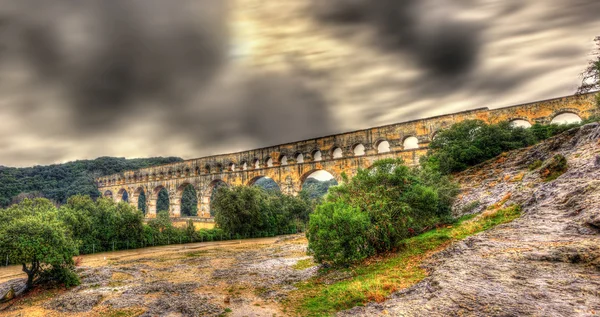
304,264
556,167
470,207
377,278
535,165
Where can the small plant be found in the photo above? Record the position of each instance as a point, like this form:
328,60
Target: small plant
535,165
470,207
556,167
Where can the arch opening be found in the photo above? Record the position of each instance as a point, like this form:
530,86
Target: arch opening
256,163
383,147
108,194
520,123
214,187
300,158
316,183
411,143
269,162
566,118
141,205
266,183
125,196
337,153
162,202
283,160
317,156
359,150
189,201
244,166
232,167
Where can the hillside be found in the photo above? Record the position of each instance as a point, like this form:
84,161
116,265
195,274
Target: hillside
545,263
60,181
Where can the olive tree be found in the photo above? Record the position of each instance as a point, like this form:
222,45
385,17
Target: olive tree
32,235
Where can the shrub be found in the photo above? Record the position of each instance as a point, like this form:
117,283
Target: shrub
338,234
32,235
399,202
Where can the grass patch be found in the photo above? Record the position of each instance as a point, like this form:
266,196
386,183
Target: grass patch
556,167
378,277
304,264
197,253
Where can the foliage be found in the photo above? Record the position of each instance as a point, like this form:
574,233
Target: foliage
162,202
142,202
246,211
535,165
267,184
189,202
376,280
61,181
338,234
96,225
591,76
316,189
32,235
471,142
554,168
398,201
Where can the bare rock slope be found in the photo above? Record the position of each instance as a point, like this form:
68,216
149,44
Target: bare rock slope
546,263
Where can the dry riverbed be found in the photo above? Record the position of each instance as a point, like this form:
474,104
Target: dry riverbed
240,278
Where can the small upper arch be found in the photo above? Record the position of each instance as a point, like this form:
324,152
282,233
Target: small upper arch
383,146
410,143
359,149
336,152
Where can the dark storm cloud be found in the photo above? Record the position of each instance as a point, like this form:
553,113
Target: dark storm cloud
440,44
116,64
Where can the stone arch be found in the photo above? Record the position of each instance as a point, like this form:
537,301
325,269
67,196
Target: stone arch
207,193
231,167
520,123
244,165
269,162
566,116
410,143
336,152
359,149
283,161
207,169
304,178
256,163
140,200
254,181
108,194
197,170
383,146
122,195
187,204
317,155
299,157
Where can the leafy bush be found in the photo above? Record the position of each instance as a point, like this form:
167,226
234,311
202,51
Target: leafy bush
338,234
32,235
247,211
398,201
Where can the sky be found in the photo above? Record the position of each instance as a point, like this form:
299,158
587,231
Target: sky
141,78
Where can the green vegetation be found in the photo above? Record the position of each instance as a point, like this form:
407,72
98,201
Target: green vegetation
471,142
376,210
32,235
316,189
61,181
377,279
252,211
189,202
162,202
554,168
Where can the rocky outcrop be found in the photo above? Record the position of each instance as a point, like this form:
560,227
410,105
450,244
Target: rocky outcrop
546,263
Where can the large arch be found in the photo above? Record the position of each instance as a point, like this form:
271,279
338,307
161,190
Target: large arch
187,197
316,182
520,123
265,182
566,117
207,196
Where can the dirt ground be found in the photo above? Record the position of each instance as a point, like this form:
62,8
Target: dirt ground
232,278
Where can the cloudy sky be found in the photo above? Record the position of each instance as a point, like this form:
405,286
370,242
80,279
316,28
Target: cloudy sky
139,78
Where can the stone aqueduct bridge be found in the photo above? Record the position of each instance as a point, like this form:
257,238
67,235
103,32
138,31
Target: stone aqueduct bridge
289,165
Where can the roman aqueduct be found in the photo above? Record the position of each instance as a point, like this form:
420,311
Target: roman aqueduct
289,165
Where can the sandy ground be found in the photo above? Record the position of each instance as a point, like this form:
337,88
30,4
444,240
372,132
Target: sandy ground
239,278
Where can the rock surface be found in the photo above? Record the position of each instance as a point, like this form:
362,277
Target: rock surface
546,263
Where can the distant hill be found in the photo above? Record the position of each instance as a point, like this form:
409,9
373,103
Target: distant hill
60,181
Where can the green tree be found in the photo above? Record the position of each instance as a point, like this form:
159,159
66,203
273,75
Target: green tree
162,203
142,202
189,202
32,235
338,234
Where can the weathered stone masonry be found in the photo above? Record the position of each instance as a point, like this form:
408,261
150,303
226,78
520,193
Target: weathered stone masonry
281,162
